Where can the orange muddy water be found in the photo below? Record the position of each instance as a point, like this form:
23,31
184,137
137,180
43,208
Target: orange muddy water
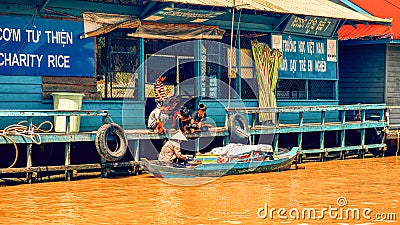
353,191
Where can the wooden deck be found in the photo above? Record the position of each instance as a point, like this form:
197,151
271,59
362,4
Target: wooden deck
136,136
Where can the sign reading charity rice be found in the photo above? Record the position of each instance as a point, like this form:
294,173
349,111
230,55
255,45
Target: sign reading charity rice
35,46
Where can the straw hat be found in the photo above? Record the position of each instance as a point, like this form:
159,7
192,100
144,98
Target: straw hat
179,136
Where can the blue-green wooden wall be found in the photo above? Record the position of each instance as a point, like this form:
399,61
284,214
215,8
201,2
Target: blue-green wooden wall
362,71
25,93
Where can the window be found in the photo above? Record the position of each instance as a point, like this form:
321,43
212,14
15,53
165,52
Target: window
289,89
116,64
246,63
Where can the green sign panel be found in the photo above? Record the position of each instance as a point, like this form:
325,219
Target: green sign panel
311,25
181,15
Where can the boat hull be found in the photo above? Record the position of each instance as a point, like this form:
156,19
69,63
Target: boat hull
283,162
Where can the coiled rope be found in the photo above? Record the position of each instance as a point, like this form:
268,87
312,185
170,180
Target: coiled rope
22,130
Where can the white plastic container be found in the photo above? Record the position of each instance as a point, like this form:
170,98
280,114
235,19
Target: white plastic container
67,101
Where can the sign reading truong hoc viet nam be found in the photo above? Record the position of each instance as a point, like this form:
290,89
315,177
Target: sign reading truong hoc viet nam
306,58
35,46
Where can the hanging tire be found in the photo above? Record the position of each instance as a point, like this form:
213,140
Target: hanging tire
119,146
238,126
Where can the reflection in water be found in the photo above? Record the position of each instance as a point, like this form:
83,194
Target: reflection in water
369,183
168,206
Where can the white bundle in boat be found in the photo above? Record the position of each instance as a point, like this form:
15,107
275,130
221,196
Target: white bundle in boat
235,149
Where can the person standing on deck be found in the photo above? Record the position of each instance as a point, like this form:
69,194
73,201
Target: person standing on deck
171,151
159,90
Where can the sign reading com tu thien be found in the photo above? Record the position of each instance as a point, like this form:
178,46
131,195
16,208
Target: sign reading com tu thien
35,46
306,58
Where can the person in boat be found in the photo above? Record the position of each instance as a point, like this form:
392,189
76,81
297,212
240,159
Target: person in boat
159,90
171,151
157,119
199,117
182,120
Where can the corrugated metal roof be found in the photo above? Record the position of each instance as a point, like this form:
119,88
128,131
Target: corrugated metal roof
381,8
319,8
348,32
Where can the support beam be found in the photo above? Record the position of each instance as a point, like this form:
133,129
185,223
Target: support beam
83,6
141,70
42,5
197,67
147,9
243,25
238,66
282,21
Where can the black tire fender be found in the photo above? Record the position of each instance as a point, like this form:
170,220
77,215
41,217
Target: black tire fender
121,142
238,126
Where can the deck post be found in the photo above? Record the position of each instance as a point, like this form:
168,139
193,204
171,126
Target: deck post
342,133
29,163
300,141
68,173
104,169
277,119
225,140
29,153
362,136
382,114
301,119
362,130
136,150
196,146
322,136
276,142
251,139
322,144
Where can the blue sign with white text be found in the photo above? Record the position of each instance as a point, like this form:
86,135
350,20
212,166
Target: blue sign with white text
35,46
306,58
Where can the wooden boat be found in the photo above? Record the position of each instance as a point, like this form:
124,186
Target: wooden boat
162,170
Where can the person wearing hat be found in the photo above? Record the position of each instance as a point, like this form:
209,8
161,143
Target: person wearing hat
198,122
171,151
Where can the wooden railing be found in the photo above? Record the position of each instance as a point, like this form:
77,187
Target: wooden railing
350,117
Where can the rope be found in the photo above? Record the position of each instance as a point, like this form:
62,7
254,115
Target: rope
22,130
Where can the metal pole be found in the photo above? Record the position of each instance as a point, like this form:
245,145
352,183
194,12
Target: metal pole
230,57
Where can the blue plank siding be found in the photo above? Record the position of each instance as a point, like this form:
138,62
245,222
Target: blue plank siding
25,93
216,108
392,95
21,93
362,74
129,114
